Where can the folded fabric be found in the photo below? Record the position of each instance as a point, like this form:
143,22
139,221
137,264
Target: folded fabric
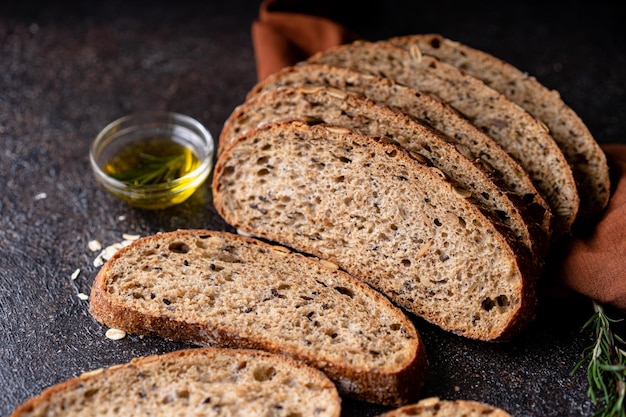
282,37
590,262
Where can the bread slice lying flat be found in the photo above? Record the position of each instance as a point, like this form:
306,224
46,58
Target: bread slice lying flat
434,407
340,108
383,216
203,381
428,109
221,289
518,133
569,131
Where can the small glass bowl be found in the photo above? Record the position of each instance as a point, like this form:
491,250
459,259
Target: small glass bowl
135,128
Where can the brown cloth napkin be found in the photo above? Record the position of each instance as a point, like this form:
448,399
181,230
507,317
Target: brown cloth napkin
289,31
591,263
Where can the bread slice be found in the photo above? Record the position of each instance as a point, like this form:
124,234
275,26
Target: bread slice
376,211
521,135
341,108
203,381
225,290
427,109
571,134
434,407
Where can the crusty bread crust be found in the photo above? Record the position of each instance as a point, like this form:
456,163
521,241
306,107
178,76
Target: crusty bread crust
435,407
189,382
340,108
569,131
521,135
220,289
373,209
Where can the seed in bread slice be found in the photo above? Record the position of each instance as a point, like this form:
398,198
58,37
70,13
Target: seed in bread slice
370,207
221,289
340,108
435,407
427,109
203,381
569,131
520,134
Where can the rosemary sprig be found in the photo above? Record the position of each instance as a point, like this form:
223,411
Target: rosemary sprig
606,366
153,169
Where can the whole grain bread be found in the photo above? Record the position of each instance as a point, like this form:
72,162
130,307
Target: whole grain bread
427,109
340,108
203,381
566,127
435,407
521,135
379,213
225,290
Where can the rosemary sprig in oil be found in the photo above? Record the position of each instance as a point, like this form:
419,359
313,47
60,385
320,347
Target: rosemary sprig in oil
153,169
606,366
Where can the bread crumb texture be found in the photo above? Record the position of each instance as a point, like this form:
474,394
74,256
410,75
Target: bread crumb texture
196,382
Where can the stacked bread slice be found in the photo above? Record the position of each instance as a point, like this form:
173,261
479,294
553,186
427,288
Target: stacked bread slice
435,407
192,382
220,289
393,161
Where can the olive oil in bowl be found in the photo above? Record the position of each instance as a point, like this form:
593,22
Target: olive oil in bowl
152,160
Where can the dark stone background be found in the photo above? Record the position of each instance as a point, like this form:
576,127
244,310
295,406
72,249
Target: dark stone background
69,68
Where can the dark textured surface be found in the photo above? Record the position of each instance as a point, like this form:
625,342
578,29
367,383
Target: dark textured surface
66,70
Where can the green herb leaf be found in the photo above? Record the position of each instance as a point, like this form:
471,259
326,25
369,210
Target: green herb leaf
606,365
153,170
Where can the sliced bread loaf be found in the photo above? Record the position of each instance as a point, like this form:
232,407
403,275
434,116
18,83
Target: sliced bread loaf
203,381
518,133
379,213
340,108
225,290
568,130
427,109
434,407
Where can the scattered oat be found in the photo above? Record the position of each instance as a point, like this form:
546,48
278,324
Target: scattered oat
281,250
83,296
75,274
106,253
115,334
41,196
328,264
121,218
92,373
430,401
457,388
110,250
424,249
94,245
